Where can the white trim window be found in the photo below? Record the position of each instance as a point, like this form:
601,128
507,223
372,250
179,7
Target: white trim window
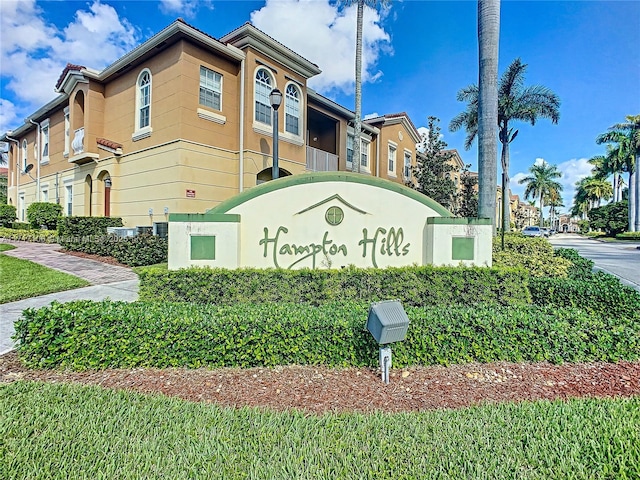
67,130
21,206
364,153
68,199
292,110
391,165
143,105
210,89
407,165
262,89
350,152
44,140
44,193
24,157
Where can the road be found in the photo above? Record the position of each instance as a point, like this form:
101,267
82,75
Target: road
620,259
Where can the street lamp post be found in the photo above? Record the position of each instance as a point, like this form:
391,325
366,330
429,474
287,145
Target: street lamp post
275,97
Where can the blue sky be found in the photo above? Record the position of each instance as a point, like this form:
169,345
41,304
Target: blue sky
418,54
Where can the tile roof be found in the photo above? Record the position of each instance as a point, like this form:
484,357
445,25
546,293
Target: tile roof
108,143
67,69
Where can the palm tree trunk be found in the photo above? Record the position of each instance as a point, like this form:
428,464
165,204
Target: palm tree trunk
357,121
506,201
488,38
632,201
541,210
615,187
637,208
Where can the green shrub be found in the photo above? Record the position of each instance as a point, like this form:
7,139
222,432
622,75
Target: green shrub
44,214
97,335
583,225
140,250
87,234
20,226
601,294
516,242
612,218
581,268
7,215
38,236
628,236
426,285
534,265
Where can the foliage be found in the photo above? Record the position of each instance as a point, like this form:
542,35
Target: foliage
7,215
541,184
140,250
583,225
468,197
581,268
3,189
534,255
628,236
600,294
20,226
24,279
37,236
44,214
64,431
86,234
612,218
432,173
425,285
97,335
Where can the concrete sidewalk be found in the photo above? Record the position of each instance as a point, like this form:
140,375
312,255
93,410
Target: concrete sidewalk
109,281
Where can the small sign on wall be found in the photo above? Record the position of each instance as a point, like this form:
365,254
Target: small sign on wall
191,193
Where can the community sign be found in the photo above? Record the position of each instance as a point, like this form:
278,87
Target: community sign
327,220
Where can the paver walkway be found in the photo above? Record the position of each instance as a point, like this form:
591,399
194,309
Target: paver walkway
109,281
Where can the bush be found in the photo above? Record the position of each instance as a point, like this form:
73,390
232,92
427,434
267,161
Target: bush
98,335
601,295
534,255
37,236
20,226
612,218
425,285
581,268
7,215
583,225
44,214
628,236
86,234
140,250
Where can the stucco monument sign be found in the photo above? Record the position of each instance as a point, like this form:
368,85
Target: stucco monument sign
327,220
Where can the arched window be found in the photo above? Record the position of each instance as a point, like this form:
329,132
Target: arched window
143,101
292,109
264,85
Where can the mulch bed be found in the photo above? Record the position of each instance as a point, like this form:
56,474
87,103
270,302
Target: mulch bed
317,389
97,258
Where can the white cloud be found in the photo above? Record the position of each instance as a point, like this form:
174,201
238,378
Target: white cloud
188,8
8,115
35,52
326,35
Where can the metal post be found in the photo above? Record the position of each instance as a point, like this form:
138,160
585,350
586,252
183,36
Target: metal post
276,170
385,363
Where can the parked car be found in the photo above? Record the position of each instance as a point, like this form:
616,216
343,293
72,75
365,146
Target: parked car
545,231
532,231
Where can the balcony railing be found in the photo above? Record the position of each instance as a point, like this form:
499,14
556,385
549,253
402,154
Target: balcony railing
78,141
321,161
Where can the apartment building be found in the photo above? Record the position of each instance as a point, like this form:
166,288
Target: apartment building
183,122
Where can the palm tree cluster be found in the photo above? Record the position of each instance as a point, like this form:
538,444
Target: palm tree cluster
543,186
516,102
622,156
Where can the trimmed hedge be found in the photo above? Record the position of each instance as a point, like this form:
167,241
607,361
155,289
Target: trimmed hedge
419,286
581,268
37,236
7,215
601,294
86,234
98,335
628,236
534,255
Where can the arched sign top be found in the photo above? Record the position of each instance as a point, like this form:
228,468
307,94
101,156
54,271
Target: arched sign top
319,177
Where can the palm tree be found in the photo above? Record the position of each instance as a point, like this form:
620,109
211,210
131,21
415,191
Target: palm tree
609,164
597,189
357,123
487,106
554,200
515,102
540,183
626,140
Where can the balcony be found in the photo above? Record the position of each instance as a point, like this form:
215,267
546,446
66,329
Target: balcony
80,157
321,161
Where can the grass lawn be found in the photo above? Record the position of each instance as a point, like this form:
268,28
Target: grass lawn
24,279
65,431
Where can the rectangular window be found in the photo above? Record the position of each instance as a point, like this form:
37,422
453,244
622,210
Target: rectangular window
210,88
350,151
407,165
45,142
21,207
364,153
392,160
69,199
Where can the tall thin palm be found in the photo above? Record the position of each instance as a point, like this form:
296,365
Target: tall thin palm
540,183
357,122
487,106
609,164
515,102
626,140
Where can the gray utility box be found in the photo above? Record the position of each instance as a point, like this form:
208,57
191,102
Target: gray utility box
387,322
